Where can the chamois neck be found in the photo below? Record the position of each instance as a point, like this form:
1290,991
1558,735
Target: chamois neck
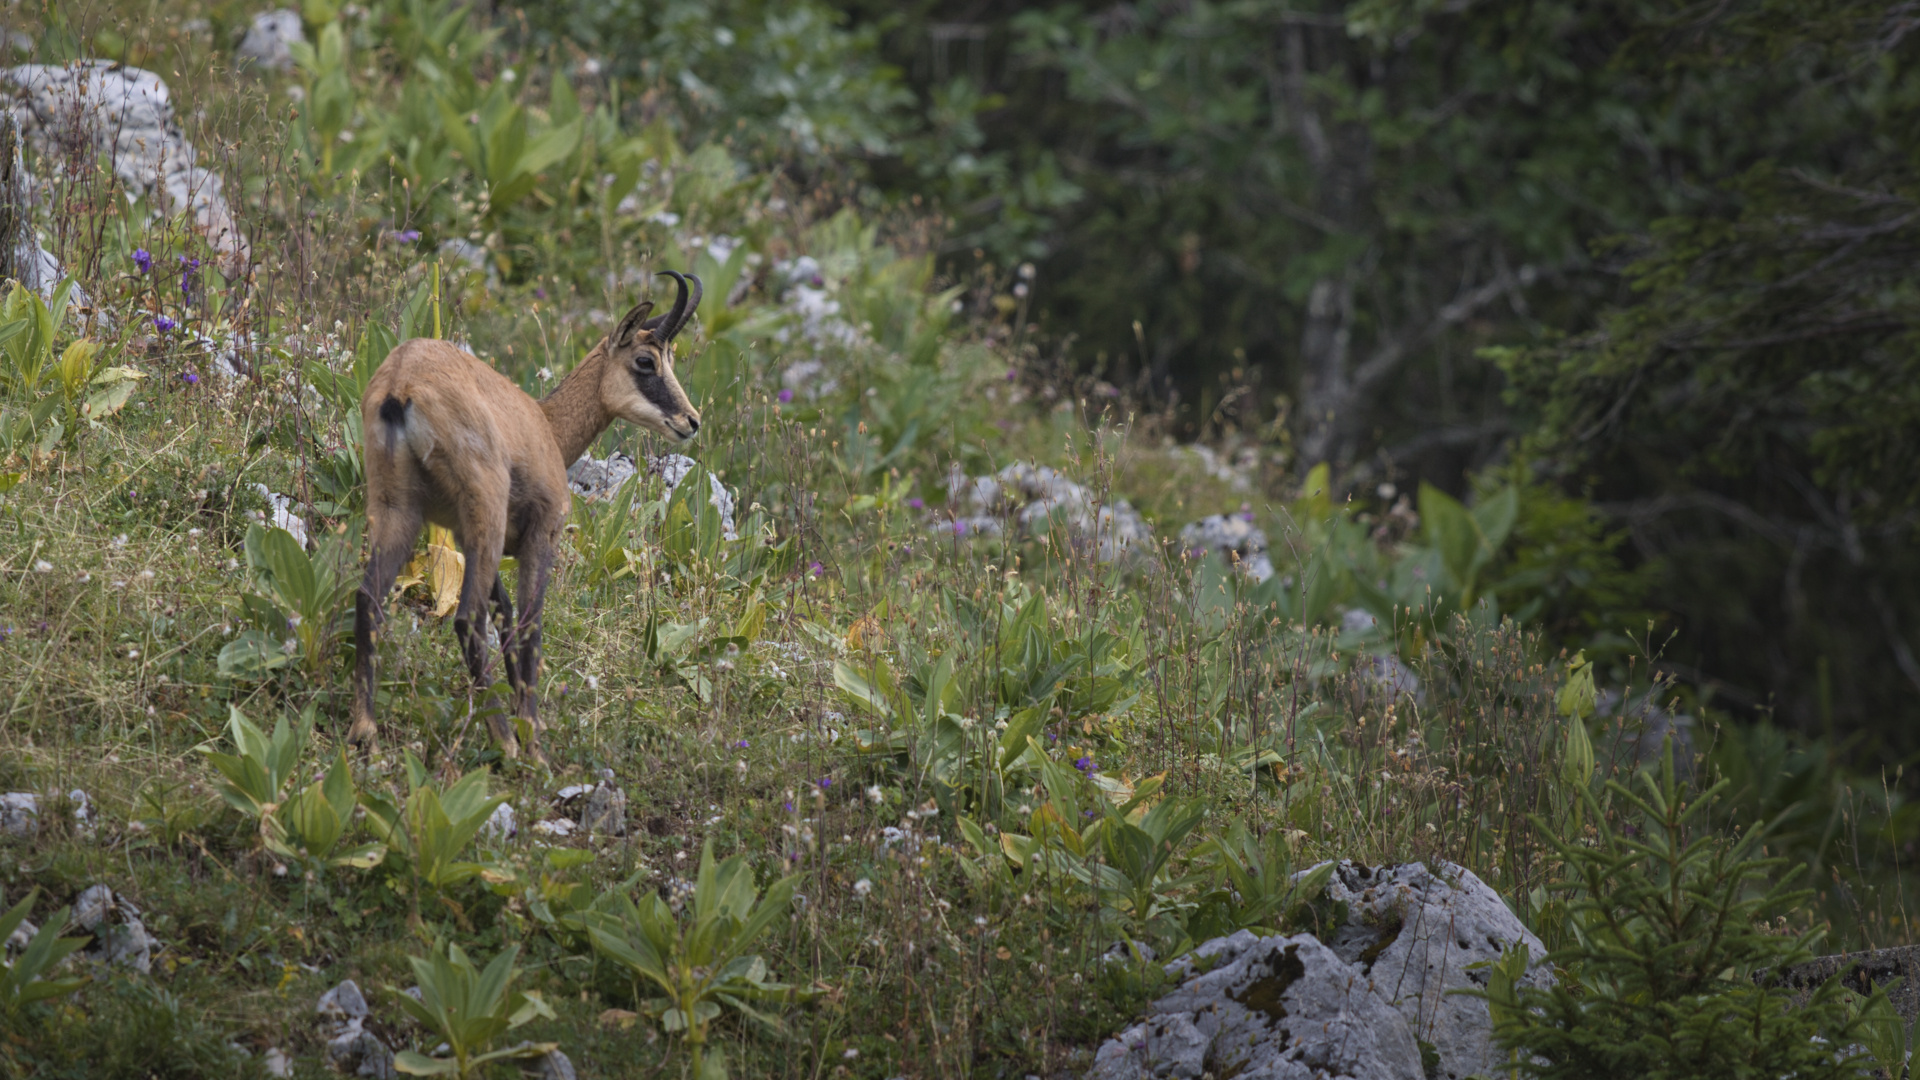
574,409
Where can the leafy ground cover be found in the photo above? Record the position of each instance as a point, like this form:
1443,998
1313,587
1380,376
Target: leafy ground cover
896,796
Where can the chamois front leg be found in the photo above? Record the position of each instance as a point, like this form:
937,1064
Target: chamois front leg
394,529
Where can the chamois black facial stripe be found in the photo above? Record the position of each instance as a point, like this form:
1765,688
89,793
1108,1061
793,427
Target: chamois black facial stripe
658,391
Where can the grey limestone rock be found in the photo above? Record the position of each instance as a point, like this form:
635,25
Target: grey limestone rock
343,1002
268,37
19,813
125,114
604,810
1235,538
591,478
552,1065
119,937
1274,1008
1036,500
1416,933
351,1048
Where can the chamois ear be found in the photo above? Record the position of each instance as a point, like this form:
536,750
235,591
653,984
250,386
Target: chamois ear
633,323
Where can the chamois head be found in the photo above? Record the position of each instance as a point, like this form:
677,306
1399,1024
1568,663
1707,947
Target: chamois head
638,383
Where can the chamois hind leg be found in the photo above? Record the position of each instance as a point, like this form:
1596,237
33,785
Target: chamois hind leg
394,529
504,626
480,541
536,571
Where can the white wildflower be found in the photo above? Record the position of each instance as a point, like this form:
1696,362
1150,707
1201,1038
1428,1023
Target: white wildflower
862,887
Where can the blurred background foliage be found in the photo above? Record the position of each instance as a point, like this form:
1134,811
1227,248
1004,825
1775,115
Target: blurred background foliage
1654,258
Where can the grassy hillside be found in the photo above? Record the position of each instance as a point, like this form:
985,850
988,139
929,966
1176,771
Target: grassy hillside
964,768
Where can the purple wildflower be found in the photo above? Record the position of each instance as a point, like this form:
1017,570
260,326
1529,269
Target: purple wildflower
786,395
1011,375
143,260
190,378
825,782
789,806
916,503
1051,737
163,324
814,568
959,528
404,236
1086,765
539,293
741,745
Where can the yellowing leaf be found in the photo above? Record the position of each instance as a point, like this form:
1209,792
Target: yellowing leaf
441,569
863,634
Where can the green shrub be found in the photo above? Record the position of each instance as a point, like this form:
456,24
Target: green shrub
1670,971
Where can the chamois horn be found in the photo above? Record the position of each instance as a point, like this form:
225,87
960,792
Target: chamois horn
669,324
693,305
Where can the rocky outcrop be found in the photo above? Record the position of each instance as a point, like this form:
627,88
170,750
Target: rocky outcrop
1375,995
1275,1008
351,1048
91,108
593,479
268,37
1034,500
1418,932
119,937
1233,537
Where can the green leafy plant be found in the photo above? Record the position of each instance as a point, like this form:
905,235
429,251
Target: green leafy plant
607,537
310,826
1671,971
1134,880
299,603
28,326
25,981
168,812
468,1009
701,963
258,776
430,829
1256,888
53,384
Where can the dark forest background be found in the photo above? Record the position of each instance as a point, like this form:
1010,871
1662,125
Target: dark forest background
1658,258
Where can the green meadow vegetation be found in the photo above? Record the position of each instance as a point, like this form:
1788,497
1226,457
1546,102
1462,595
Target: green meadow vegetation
899,796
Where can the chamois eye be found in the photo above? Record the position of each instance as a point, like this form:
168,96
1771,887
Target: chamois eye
644,364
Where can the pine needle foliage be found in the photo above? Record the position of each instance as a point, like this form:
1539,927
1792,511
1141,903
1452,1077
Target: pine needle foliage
1669,970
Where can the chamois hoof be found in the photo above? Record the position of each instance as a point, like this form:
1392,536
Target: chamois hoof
503,733
363,733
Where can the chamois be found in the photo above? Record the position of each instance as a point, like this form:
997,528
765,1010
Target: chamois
451,441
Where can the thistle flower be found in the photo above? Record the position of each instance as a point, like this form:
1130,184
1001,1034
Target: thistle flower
786,395
916,503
